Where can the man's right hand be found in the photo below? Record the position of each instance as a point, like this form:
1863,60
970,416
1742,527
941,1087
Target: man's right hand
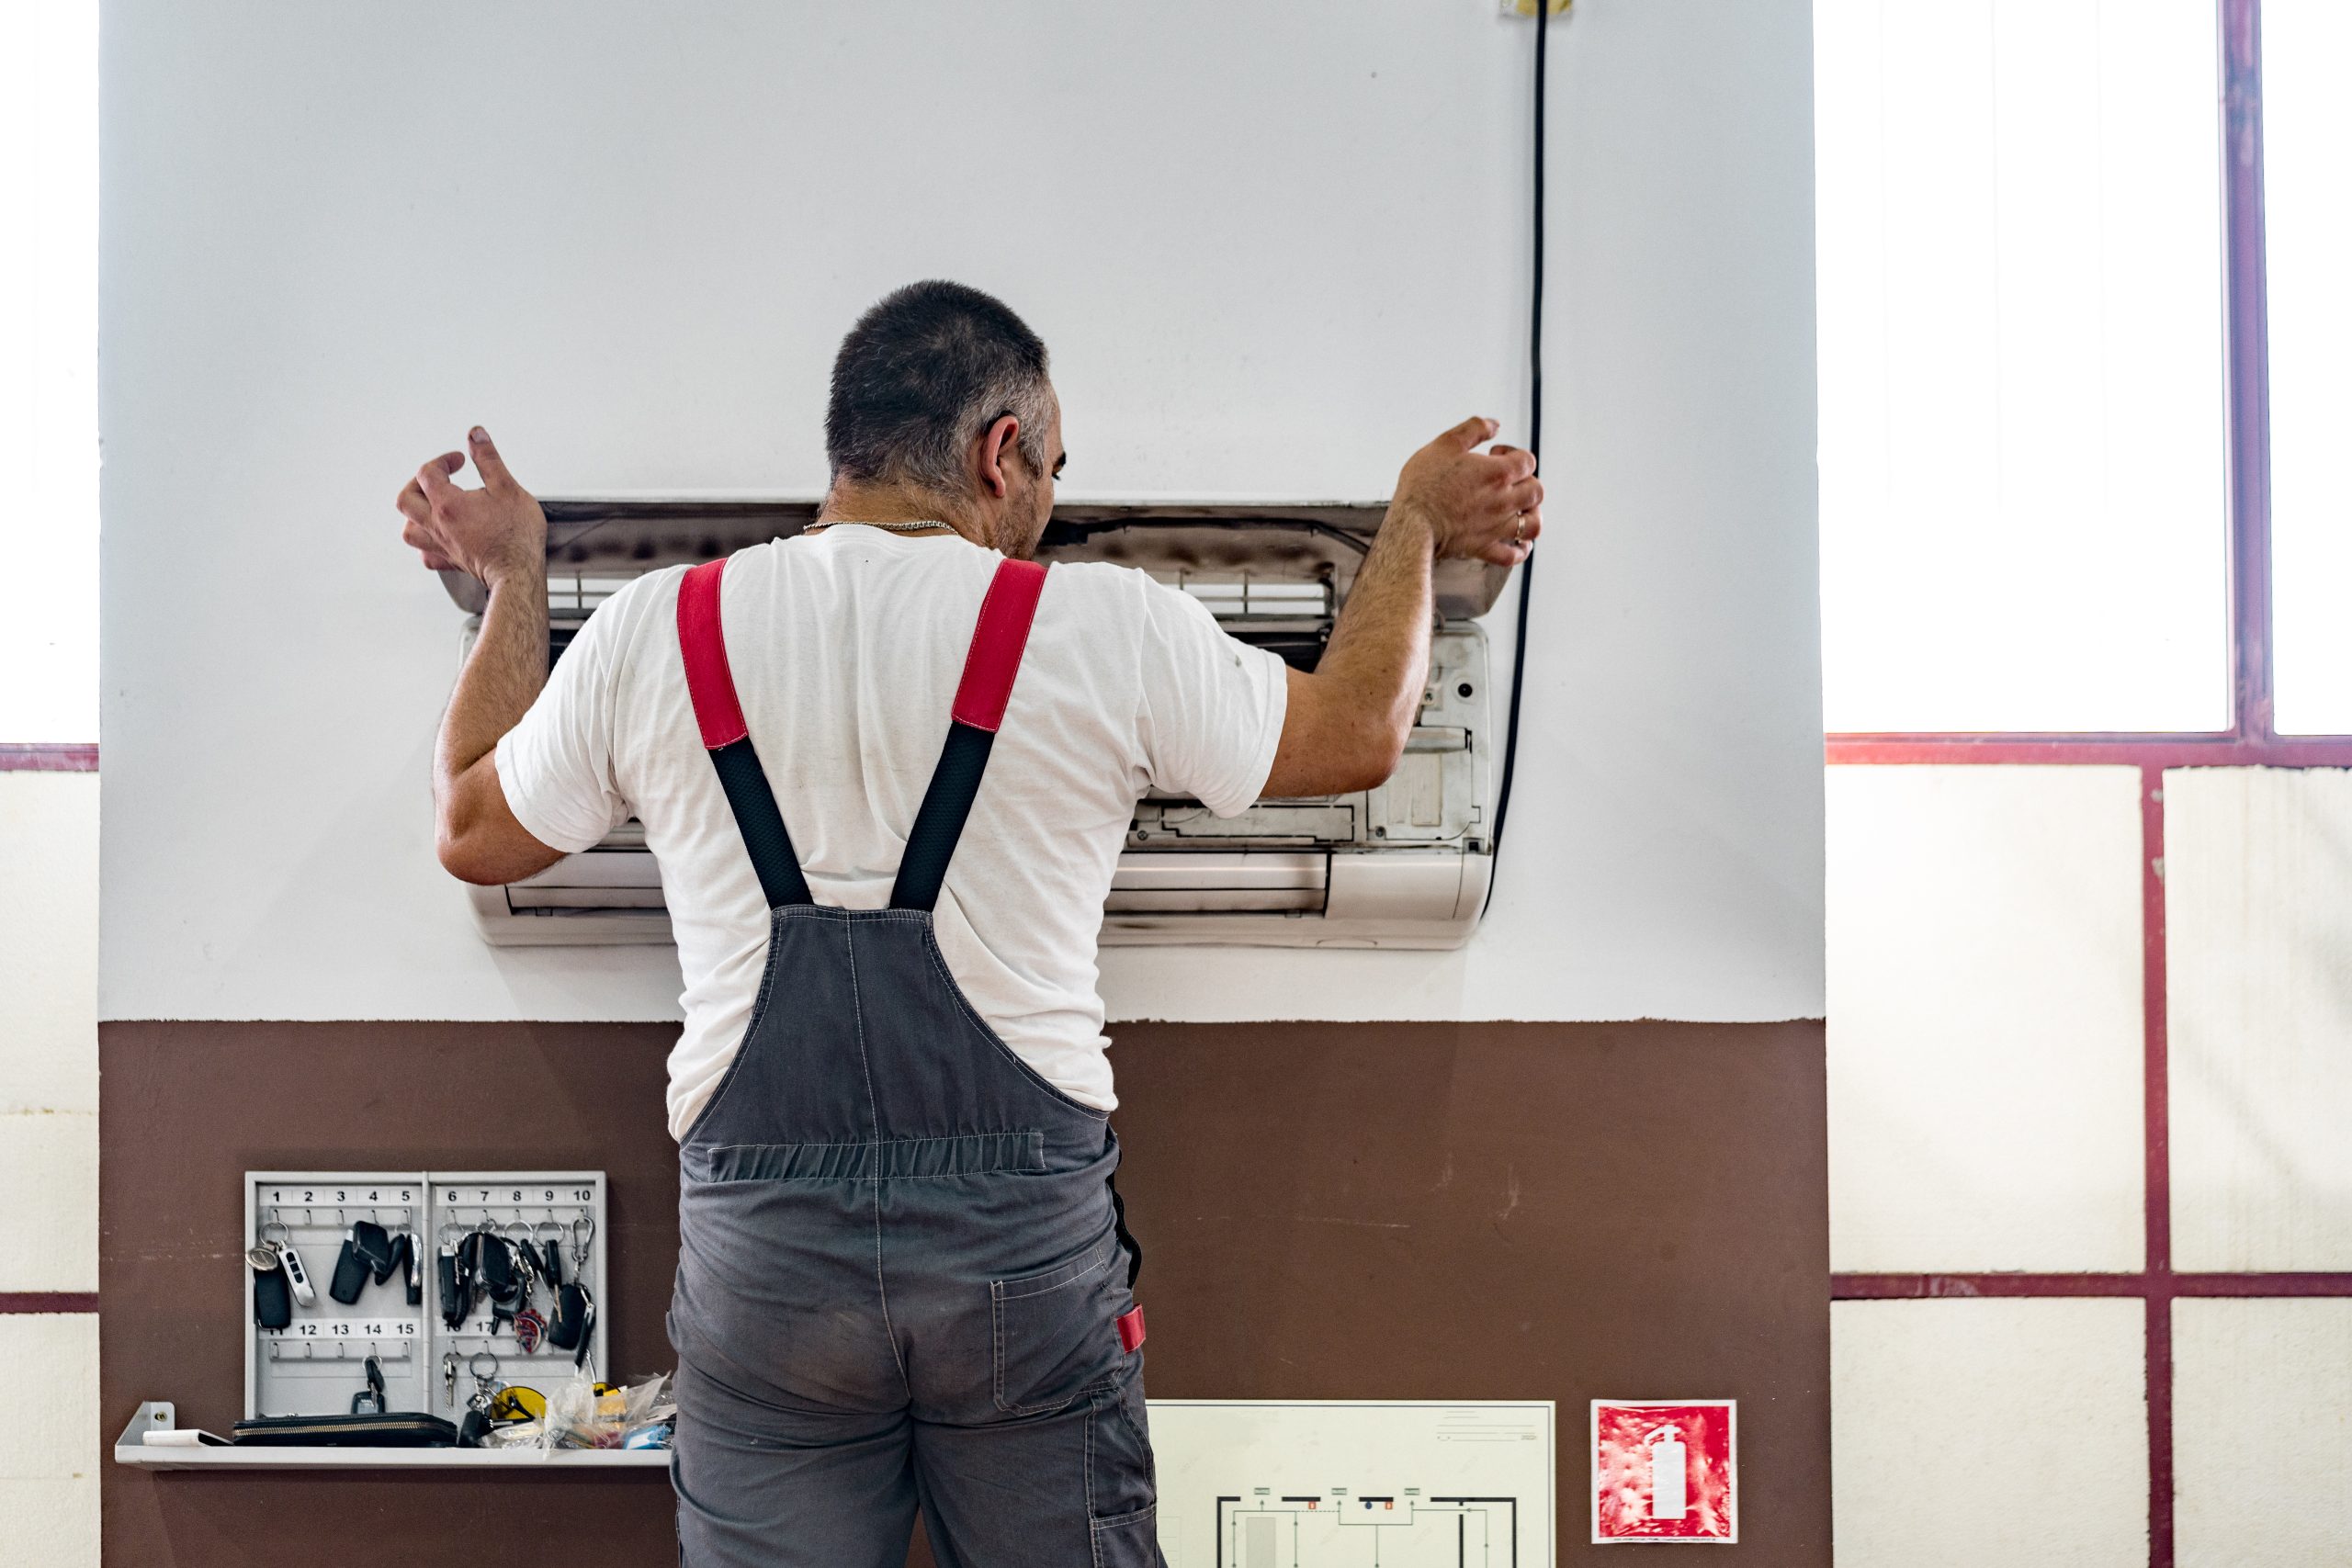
1477,505
494,532
1347,724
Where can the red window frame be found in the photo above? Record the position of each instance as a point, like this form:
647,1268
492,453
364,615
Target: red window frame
2251,739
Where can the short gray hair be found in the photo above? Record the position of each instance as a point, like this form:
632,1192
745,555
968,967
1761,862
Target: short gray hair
923,373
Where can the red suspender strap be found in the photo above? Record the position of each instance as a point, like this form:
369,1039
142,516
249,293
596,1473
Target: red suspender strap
719,715
997,642
704,643
987,686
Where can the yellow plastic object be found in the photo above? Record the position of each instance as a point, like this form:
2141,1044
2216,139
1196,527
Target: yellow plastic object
516,1402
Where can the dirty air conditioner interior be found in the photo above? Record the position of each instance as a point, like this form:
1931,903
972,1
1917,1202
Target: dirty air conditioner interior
1404,865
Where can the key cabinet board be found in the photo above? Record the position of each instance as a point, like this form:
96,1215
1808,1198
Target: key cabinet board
315,1363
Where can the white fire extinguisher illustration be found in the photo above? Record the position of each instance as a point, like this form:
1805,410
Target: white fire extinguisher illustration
1669,1480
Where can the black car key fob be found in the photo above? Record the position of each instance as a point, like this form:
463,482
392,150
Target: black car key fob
571,1319
350,1274
552,1263
454,1294
374,1245
273,1297
499,1279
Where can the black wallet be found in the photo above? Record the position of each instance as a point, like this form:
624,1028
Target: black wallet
396,1429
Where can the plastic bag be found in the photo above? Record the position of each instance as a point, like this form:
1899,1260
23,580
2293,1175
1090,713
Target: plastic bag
584,1414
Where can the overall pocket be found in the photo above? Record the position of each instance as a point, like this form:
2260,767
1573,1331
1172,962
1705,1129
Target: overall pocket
1054,1330
1122,1494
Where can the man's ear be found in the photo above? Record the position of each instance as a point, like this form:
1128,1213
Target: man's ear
998,444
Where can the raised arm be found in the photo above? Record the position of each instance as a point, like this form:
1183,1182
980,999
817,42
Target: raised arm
1347,724
498,534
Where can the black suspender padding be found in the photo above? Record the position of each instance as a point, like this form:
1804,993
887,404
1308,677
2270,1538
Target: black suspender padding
746,784
930,843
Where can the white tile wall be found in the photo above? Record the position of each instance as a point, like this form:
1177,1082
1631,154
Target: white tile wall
49,1221
1986,1040
2262,1417
49,1163
49,1047
49,943
49,1447
2259,917
52,1430
1978,1432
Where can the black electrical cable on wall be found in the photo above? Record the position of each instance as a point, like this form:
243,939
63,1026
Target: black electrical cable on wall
1535,446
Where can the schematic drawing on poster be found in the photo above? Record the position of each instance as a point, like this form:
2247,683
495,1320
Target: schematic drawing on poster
1336,1529
1356,1483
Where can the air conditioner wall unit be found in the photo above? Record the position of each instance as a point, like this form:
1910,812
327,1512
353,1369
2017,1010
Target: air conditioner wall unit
1403,865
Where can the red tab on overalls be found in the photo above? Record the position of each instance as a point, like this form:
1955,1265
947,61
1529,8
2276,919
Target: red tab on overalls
1131,1329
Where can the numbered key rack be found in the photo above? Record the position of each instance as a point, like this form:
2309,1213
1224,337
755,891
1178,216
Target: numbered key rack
315,1363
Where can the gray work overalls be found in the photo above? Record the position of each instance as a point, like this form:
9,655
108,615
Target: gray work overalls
902,1277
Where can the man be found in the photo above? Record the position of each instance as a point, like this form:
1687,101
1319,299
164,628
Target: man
903,1281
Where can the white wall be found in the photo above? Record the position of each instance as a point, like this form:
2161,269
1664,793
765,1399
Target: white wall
1274,248
49,1156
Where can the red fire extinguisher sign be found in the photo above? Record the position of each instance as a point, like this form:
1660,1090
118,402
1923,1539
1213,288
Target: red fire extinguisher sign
1665,1470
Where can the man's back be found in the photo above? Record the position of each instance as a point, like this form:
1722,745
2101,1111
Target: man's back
846,648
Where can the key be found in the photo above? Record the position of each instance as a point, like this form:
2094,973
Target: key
412,1270
273,1297
455,1293
297,1277
448,1379
350,1273
498,1269
551,1264
373,1242
369,1401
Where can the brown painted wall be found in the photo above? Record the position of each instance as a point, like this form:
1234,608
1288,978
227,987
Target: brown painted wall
1328,1210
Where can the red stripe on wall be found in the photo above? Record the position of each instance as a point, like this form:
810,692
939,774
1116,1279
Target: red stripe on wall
47,1301
2118,751
2164,1287
43,757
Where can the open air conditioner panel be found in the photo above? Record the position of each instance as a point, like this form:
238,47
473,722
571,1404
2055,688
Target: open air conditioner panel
1405,864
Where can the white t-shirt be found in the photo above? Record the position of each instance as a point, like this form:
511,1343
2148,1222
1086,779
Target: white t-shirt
846,646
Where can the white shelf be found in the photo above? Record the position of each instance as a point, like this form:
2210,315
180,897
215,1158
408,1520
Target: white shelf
160,1415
